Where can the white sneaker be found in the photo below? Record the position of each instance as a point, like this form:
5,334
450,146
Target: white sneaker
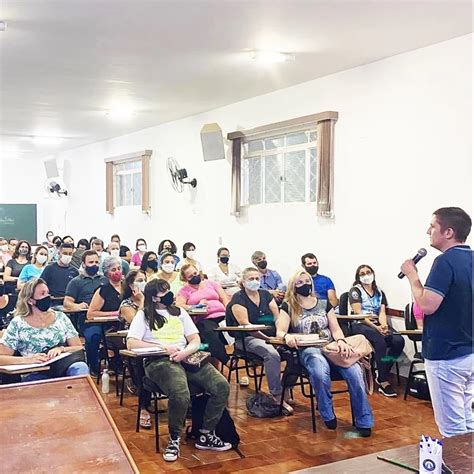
172,450
287,410
244,381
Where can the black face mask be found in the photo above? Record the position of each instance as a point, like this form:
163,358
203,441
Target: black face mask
44,303
224,259
153,264
92,270
312,270
262,264
195,280
167,299
303,290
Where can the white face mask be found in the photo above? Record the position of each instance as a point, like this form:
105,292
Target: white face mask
41,259
367,279
140,285
191,254
115,253
65,259
4,248
142,248
168,267
252,285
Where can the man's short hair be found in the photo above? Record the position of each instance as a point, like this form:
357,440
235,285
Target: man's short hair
456,219
98,242
66,246
307,255
257,254
88,253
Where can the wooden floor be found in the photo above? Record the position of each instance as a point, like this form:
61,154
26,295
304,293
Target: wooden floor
283,444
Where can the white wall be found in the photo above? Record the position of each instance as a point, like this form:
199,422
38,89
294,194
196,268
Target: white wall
403,148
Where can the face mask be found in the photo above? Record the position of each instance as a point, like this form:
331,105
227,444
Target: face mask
116,276
190,254
153,264
167,299
167,250
65,259
312,270
4,248
367,279
41,259
252,285
142,248
23,252
262,264
140,285
168,267
115,253
92,270
224,260
44,303
303,290
195,280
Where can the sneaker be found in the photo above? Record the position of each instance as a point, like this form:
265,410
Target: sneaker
388,391
211,441
244,381
172,450
364,432
331,424
286,409
130,387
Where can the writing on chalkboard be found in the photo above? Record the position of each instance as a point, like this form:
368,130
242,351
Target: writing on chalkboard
7,220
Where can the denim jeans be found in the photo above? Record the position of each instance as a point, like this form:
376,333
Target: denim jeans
78,368
319,370
93,335
451,388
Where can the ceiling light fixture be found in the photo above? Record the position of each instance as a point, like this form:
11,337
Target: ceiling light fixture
41,140
271,57
3,25
120,113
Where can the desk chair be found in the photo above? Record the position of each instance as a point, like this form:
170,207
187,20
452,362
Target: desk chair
410,323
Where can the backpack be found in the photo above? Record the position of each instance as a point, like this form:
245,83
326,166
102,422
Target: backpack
262,405
225,428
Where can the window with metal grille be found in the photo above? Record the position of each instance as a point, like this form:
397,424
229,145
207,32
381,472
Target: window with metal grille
128,183
280,169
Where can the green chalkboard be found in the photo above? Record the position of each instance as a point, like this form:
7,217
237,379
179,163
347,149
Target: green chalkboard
19,221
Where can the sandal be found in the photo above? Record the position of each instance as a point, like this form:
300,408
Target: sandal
145,420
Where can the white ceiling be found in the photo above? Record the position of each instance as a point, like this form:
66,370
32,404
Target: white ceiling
64,62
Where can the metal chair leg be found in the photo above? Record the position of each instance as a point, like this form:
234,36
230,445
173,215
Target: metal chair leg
313,413
157,428
407,388
140,401
122,388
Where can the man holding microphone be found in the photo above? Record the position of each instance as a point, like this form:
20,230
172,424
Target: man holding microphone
446,300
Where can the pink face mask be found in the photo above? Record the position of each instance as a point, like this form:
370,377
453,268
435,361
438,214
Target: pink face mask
115,276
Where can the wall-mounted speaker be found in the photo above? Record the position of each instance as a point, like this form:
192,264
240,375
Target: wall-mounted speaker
212,142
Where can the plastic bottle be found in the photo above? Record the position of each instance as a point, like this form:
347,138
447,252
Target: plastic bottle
105,381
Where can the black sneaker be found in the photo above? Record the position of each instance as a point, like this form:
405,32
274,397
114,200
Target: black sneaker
211,441
388,391
172,450
331,424
364,432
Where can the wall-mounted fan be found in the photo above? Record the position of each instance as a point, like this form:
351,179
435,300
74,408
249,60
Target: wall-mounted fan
55,188
179,176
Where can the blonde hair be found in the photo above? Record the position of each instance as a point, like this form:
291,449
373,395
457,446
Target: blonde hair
23,308
245,273
185,267
294,308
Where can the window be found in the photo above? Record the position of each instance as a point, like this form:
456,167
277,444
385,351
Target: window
280,169
128,183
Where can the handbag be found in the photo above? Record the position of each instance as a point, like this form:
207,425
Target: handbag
360,345
194,362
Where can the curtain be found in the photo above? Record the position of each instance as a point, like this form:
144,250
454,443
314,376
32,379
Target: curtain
236,176
325,163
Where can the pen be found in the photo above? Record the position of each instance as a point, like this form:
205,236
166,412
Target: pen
399,464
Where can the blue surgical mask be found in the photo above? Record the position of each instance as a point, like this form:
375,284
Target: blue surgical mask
252,285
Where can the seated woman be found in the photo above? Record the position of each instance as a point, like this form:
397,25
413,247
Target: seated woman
251,305
366,298
161,324
197,291
20,258
140,247
132,296
168,246
189,257
303,313
167,272
225,273
35,268
105,302
38,333
149,265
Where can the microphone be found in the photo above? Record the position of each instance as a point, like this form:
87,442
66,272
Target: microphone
419,255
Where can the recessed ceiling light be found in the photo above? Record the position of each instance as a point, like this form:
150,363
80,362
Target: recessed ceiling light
120,113
270,57
3,25
40,140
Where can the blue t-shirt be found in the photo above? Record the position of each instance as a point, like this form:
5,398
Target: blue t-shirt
58,277
447,333
322,284
29,272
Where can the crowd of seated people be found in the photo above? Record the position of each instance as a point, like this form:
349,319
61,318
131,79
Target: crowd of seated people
146,290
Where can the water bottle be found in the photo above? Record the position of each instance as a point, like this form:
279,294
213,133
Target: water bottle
105,381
